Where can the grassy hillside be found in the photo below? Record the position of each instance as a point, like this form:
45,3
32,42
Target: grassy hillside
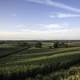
20,63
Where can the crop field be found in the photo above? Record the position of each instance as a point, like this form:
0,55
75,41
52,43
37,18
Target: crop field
18,62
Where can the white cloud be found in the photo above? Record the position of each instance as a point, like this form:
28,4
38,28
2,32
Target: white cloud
54,26
49,31
42,27
56,4
42,35
64,15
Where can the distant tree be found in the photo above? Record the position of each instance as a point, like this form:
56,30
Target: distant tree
63,44
2,42
38,45
58,44
24,44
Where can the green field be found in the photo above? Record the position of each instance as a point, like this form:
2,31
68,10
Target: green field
20,63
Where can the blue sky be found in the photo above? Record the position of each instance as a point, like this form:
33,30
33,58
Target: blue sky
39,19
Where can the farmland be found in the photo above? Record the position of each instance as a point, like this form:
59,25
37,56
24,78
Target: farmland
29,62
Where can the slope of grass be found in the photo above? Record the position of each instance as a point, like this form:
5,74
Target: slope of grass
24,65
20,56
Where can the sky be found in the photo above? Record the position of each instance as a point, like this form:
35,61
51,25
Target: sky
39,19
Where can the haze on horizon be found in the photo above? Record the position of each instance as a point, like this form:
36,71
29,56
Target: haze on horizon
39,19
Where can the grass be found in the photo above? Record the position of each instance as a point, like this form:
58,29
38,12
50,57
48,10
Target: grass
24,56
37,63
73,73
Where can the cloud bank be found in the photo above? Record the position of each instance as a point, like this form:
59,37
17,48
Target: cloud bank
64,34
